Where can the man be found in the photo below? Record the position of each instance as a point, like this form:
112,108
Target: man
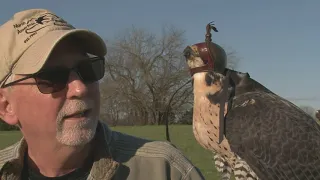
49,74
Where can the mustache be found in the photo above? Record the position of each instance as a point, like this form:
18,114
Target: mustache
73,106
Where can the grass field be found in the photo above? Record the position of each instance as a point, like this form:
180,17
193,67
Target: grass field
181,136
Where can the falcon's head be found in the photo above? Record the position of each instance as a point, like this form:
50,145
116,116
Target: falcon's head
201,58
207,65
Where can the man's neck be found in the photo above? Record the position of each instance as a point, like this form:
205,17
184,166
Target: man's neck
57,160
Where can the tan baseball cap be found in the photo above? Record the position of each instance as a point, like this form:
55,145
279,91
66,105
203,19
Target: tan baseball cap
28,38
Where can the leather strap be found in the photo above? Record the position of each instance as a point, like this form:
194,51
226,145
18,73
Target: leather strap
223,100
200,69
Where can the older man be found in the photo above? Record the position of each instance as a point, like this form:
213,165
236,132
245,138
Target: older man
49,73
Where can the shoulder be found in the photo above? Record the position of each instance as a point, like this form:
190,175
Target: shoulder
259,100
256,95
9,153
266,103
153,151
150,154
268,108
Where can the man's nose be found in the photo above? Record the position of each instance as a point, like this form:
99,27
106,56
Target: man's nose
76,88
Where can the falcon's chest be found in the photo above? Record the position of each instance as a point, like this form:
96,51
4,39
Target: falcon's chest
206,128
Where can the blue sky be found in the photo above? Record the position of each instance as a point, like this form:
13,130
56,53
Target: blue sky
277,41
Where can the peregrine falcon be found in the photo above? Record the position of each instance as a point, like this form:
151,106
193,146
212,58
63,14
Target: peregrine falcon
253,132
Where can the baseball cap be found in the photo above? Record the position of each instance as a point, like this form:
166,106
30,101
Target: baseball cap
29,37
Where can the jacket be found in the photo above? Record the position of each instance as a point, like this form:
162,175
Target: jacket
118,156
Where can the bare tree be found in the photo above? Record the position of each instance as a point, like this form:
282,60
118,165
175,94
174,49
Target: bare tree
143,73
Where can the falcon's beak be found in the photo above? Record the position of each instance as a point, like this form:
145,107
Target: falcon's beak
187,52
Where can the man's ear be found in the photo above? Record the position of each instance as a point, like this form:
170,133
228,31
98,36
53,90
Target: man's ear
6,111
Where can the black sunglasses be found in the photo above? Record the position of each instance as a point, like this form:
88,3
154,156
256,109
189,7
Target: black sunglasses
55,79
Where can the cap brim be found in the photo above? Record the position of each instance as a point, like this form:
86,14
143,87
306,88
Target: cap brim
33,59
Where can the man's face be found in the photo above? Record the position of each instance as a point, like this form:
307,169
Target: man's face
55,116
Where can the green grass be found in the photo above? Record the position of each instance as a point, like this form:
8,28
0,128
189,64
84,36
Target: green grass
181,136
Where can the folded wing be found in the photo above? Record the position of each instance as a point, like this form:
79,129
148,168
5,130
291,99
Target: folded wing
276,138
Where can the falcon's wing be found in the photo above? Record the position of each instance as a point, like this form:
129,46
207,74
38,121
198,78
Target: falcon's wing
276,138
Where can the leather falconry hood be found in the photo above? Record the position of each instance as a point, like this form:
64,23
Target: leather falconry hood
213,55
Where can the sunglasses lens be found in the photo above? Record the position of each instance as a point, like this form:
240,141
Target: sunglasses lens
91,71
55,80
52,80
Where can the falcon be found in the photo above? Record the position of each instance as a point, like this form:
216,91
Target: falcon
253,132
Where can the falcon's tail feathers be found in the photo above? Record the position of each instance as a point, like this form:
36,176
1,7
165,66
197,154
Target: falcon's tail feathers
222,167
242,171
